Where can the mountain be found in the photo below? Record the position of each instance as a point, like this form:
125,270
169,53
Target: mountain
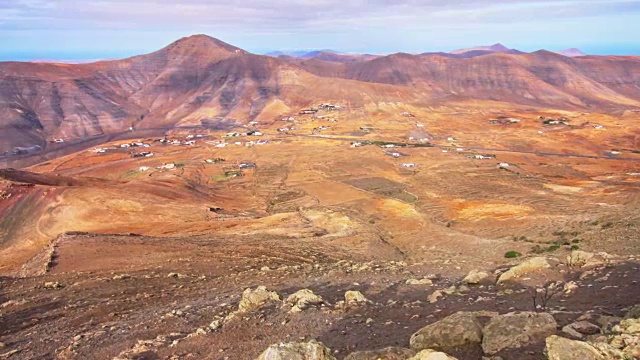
483,50
193,81
540,78
573,52
203,81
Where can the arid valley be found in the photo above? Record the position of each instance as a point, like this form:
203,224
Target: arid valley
203,202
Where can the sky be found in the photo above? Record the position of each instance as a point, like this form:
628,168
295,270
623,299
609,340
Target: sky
109,29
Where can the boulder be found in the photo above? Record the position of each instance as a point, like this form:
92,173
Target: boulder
302,299
475,277
390,353
255,298
461,329
429,354
311,350
354,297
527,267
579,258
515,330
559,348
580,328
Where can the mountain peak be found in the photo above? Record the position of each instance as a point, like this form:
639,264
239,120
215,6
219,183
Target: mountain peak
200,44
493,48
573,52
498,47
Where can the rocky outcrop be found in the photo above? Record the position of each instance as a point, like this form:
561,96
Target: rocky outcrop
529,266
515,330
255,298
458,330
311,350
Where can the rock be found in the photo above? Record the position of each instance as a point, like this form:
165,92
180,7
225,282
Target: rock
559,348
579,258
580,328
254,299
390,353
2,345
53,285
607,322
434,296
354,296
121,277
302,299
515,330
216,324
628,326
633,313
458,330
475,277
570,287
429,354
450,290
528,266
311,350
427,282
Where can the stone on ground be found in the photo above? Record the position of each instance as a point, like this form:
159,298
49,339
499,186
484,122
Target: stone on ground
255,298
429,354
303,299
475,277
529,266
354,296
514,330
311,350
559,348
461,329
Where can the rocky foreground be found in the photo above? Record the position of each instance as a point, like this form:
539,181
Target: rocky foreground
582,306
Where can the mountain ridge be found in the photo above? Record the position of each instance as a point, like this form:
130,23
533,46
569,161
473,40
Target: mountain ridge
199,78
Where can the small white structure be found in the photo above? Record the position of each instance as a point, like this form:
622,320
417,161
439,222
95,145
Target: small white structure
169,166
459,149
409,165
190,136
420,125
221,145
257,133
143,168
504,165
599,127
445,151
451,139
58,141
124,145
356,144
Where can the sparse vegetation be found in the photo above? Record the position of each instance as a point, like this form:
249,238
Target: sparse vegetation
512,254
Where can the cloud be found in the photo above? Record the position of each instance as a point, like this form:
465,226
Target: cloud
297,22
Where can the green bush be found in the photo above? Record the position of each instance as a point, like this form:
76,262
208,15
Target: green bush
575,247
512,254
